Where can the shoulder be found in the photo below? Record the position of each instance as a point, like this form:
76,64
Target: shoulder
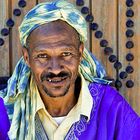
108,96
108,101
105,92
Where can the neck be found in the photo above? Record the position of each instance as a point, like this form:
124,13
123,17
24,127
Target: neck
60,106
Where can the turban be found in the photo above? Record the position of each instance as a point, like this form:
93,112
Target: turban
18,85
47,12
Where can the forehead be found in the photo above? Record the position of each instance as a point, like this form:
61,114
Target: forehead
54,31
53,35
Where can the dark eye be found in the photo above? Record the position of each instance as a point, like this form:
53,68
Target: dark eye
42,56
67,54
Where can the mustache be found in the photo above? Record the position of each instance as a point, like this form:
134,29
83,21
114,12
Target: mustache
50,75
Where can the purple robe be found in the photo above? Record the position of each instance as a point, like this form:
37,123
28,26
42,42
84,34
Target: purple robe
112,118
4,122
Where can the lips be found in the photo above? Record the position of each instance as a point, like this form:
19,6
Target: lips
56,79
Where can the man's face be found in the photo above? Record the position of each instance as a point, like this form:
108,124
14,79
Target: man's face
54,55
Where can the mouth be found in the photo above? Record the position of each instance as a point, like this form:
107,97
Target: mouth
56,80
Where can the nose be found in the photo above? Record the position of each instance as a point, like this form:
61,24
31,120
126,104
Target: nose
55,66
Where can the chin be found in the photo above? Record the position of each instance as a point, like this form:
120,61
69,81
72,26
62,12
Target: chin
56,92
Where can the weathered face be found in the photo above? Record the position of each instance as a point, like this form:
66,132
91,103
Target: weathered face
54,55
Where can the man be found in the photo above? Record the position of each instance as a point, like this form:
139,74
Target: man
57,91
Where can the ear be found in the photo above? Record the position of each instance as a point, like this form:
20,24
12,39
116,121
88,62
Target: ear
81,49
26,55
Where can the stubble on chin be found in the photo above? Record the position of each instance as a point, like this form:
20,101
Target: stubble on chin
50,94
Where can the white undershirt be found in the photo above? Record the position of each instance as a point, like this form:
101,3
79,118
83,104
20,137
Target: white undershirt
59,120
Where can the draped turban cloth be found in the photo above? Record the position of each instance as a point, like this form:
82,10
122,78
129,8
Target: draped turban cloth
18,85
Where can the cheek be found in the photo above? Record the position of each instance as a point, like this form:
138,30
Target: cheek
37,71
73,66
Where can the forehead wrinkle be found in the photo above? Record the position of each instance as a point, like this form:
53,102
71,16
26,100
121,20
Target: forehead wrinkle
58,26
55,27
52,39
64,47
